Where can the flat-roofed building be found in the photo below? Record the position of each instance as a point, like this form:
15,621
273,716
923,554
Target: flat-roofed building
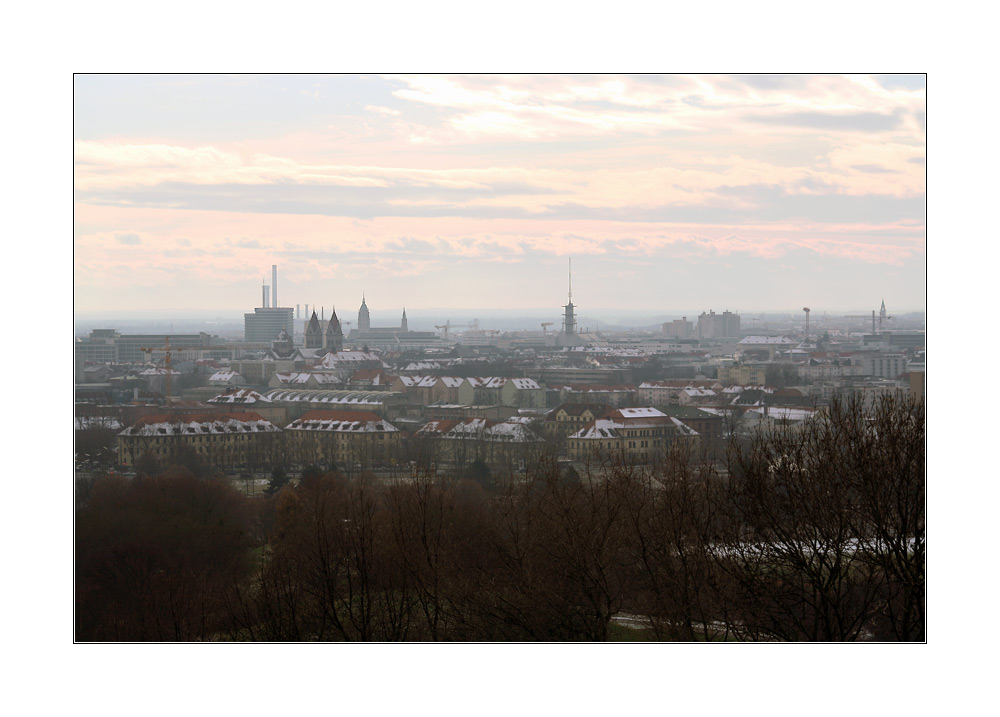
883,365
718,326
264,324
111,346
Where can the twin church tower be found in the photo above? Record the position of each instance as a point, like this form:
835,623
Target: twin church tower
333,338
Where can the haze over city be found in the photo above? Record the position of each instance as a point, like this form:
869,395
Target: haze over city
670,193
499,358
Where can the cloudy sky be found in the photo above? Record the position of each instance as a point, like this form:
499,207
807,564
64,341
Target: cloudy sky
669,192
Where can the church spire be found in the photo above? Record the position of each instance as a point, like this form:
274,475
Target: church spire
364,318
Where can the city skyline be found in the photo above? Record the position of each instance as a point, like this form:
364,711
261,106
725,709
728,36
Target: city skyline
438,192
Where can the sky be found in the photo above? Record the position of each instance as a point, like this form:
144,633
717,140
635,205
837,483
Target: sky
668,192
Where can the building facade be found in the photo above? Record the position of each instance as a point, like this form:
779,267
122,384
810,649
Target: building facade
264,324
222,440
637,434
719,326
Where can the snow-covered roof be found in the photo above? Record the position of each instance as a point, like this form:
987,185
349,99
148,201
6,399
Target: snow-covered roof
342,422
350,357
525,383
241,396
325,379
292,379
422,366
622,418
210,423
644,412
359,398
410,381
765,341
597,429
437,427
224,376
595,388
784,414
698,392
486,430
682,427
84,422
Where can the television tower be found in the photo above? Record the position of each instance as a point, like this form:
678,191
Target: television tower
569,320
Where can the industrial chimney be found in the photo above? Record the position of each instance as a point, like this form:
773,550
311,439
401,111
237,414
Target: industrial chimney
274,285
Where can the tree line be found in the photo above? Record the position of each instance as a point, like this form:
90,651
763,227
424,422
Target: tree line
814,533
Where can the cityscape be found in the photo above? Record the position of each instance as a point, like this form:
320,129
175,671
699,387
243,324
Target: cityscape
678,397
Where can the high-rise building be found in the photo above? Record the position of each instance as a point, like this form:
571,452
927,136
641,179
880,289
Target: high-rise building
268,320
719,326
679,329
263,325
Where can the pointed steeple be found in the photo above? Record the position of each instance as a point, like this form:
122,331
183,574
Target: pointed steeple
333,328
402,325
314,335
334,334
364,319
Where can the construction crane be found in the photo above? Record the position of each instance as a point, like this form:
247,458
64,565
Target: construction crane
448,326
858,316
545,327
865,316
166,360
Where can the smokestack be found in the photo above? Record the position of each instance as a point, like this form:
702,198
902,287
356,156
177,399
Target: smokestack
322,313
307,312
298,314
263,295
274,285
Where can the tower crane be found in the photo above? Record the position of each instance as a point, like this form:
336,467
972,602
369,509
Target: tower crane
545,327
859,316
447,325
166,360
865,316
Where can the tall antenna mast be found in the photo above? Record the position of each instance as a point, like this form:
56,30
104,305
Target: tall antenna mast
571,280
